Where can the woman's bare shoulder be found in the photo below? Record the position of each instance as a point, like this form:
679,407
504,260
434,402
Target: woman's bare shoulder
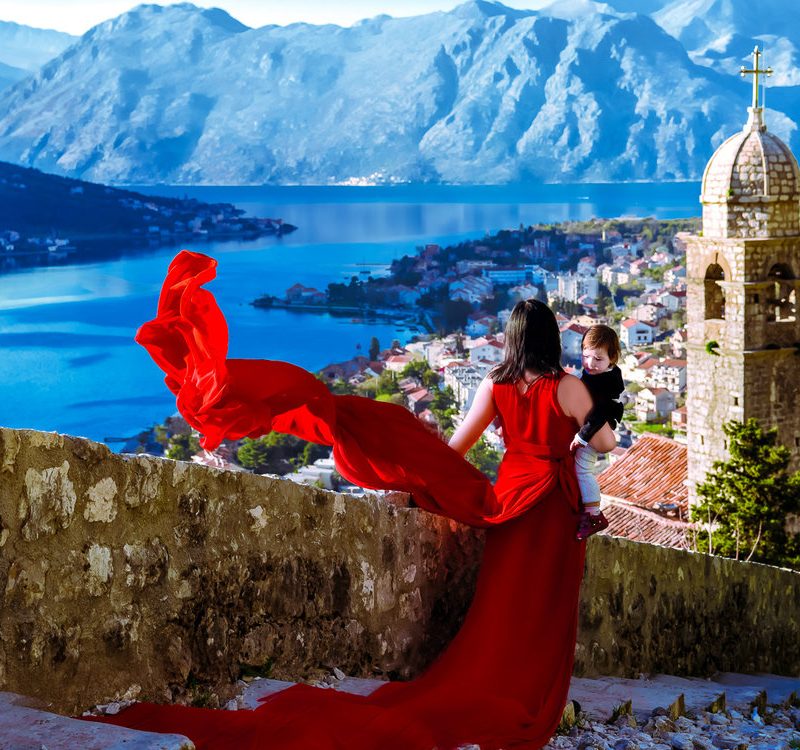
569,383
572,394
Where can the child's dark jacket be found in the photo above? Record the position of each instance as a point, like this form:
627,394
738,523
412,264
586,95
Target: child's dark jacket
604,388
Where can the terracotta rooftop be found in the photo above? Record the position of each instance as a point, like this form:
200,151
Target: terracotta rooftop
628,322
640,525
576,327
654,470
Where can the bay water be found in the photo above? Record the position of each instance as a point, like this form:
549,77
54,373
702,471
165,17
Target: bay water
68,361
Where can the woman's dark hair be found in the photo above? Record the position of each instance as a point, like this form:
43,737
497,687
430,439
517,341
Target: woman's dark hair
533,342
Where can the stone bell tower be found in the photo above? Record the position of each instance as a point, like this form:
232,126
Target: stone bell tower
743,349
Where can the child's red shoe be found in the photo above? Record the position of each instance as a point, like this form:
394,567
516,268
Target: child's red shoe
590,523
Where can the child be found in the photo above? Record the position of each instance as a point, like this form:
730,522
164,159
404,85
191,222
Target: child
604,380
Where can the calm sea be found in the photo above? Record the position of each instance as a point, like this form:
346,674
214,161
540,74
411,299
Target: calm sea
68,361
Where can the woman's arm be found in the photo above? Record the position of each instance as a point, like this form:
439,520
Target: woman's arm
574,398
480,414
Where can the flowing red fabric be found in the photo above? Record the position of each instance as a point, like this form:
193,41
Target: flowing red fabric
503,681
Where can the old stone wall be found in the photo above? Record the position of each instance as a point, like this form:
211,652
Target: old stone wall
755,371
132,576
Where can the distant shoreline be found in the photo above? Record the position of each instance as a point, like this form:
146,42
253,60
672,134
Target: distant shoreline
396,315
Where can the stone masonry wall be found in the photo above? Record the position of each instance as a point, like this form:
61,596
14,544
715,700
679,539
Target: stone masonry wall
757,370
133,576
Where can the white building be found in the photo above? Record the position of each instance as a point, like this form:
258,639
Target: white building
518,275
464,379
572,340
650,313
653,404
635,333
523,292
471,288
482,326
669,374
490,351
573,286
319,474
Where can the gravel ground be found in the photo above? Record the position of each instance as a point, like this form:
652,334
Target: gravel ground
777,729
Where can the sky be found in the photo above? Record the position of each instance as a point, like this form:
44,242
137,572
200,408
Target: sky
78,16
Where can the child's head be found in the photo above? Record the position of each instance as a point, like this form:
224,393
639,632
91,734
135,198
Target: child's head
601,349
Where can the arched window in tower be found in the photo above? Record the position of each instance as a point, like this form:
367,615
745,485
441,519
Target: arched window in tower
715,296
782,294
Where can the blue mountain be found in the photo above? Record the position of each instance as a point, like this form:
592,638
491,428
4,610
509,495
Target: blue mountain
577,91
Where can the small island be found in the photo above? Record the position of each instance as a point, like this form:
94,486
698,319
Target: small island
46,219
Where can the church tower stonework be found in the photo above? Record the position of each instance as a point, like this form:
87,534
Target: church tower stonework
743,342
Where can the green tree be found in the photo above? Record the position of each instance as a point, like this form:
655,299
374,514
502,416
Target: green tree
374,348
421,370
160,435
312,452
430,379
341,387
484,458
415,369
746,499
390,398
454,314
275,453
387,384
444,408
182,447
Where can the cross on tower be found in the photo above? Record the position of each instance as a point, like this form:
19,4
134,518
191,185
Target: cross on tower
755,72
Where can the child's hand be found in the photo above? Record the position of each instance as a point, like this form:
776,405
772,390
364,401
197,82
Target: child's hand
575,444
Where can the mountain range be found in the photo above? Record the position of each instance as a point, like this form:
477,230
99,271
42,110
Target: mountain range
23,50
573,91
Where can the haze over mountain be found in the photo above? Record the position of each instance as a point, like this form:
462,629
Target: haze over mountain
24,49
480,94
27,48
722,33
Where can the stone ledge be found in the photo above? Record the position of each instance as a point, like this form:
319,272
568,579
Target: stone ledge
180,578
25,728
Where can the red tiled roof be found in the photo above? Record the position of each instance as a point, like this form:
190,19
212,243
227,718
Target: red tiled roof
576,327
654,470
673,363
631,322
640,525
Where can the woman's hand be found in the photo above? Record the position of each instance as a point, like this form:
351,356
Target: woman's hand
478,418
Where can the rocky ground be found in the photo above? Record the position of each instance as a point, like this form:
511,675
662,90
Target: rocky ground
657,712
777,729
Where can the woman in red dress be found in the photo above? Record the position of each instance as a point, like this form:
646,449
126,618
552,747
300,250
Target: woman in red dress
503,681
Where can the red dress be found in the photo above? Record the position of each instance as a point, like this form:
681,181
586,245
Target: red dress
503,680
